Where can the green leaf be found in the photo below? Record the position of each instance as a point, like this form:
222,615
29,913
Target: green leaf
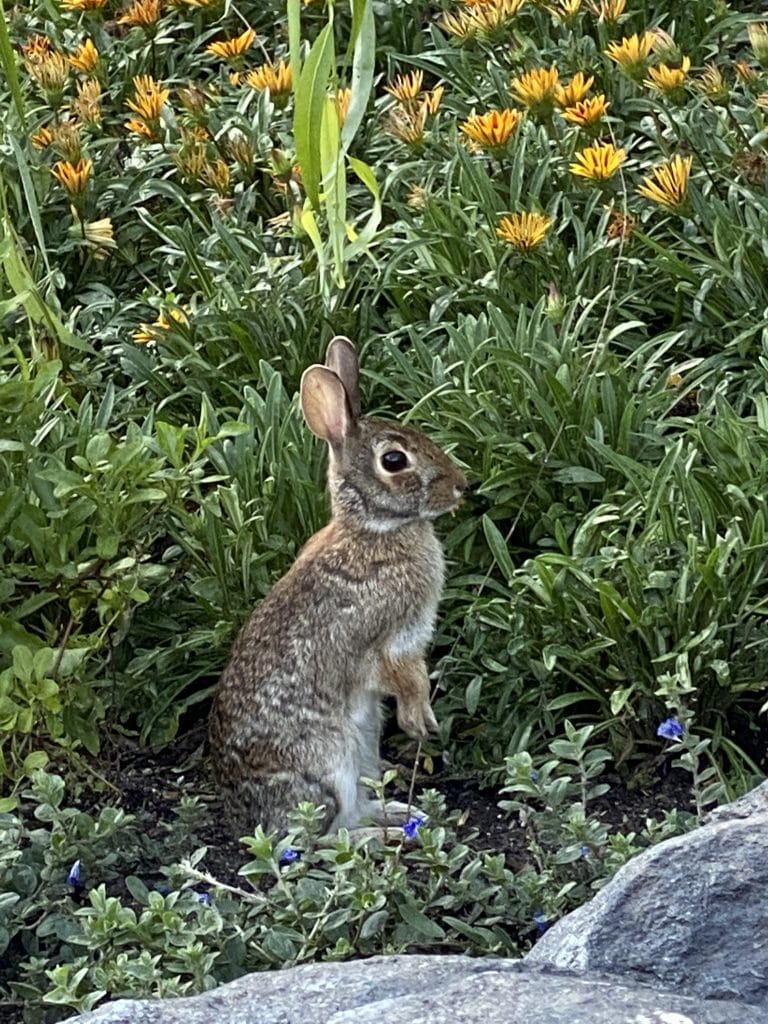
498,546
311,98
419,921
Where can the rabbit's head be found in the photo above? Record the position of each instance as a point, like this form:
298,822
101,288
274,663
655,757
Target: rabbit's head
381,475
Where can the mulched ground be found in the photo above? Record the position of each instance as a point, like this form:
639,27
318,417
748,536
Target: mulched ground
150,785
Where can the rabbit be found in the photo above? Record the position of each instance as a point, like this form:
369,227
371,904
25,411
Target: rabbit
296,714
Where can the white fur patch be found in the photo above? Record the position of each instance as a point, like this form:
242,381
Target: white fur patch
359,758
414,638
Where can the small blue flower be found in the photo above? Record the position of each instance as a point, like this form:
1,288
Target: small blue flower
671,729
585,852
534,776
289,856
204,898
412,826
541,921
74,876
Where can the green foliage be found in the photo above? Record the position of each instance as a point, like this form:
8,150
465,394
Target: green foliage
603,383
71,944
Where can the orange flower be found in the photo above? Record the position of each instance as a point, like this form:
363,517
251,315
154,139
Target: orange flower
493,130
232,49
86,59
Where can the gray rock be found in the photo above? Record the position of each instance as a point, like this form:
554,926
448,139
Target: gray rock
426,990
690,914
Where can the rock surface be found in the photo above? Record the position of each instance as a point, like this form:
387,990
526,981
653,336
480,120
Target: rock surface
426,990
678,936
690,914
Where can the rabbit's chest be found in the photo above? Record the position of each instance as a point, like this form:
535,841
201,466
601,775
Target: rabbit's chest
413,630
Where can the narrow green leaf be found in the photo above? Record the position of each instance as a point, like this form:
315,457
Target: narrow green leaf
311,97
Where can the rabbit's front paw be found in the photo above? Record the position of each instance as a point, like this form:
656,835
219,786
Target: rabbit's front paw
416,719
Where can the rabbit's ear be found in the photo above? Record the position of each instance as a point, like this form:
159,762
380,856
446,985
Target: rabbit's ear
325,404
341,357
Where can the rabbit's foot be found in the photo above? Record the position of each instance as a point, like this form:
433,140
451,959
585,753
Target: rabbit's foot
416,719
393,813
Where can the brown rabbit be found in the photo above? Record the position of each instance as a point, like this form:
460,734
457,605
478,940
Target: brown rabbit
296,715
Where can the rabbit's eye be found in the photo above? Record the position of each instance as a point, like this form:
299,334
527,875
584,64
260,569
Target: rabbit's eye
394,461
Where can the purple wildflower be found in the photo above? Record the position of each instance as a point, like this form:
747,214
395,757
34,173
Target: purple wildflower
412,826
289,856
74,876
671,729
204,898
541,921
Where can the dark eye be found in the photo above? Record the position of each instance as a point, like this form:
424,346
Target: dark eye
394,461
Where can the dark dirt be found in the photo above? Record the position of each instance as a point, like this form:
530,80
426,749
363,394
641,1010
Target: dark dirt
150,785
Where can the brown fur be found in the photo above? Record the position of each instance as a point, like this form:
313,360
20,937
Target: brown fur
295,716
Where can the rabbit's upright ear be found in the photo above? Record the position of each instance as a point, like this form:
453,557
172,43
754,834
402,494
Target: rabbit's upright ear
341,357
325,405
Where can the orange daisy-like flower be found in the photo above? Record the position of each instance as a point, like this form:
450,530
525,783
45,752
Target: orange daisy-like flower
73,178
587,113
406,88
524,231
141,13
149,333
667,185
86,59
575,91
537,89
232,49
631,54
275,77
493,130
83,5
669,81
598,162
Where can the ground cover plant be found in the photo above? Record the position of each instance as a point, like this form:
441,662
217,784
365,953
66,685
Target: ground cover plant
545,226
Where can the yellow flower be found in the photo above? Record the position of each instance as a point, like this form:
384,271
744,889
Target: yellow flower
73,178
232,49
342,98
758,39
492,17
50,71
149,98
712,83
524,230
575,91
667,185
277,78
83,5
63,136
407,125
42,138
87,104
668,80
743,71
608,10
537,89
461,24
36,47
432,100
631,54
493,130
417,197
587,112
86,59
566,9
98,234
406,88
141,13
598,162
216,174
150,333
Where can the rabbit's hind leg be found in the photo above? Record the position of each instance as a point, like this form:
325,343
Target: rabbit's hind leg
269,800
